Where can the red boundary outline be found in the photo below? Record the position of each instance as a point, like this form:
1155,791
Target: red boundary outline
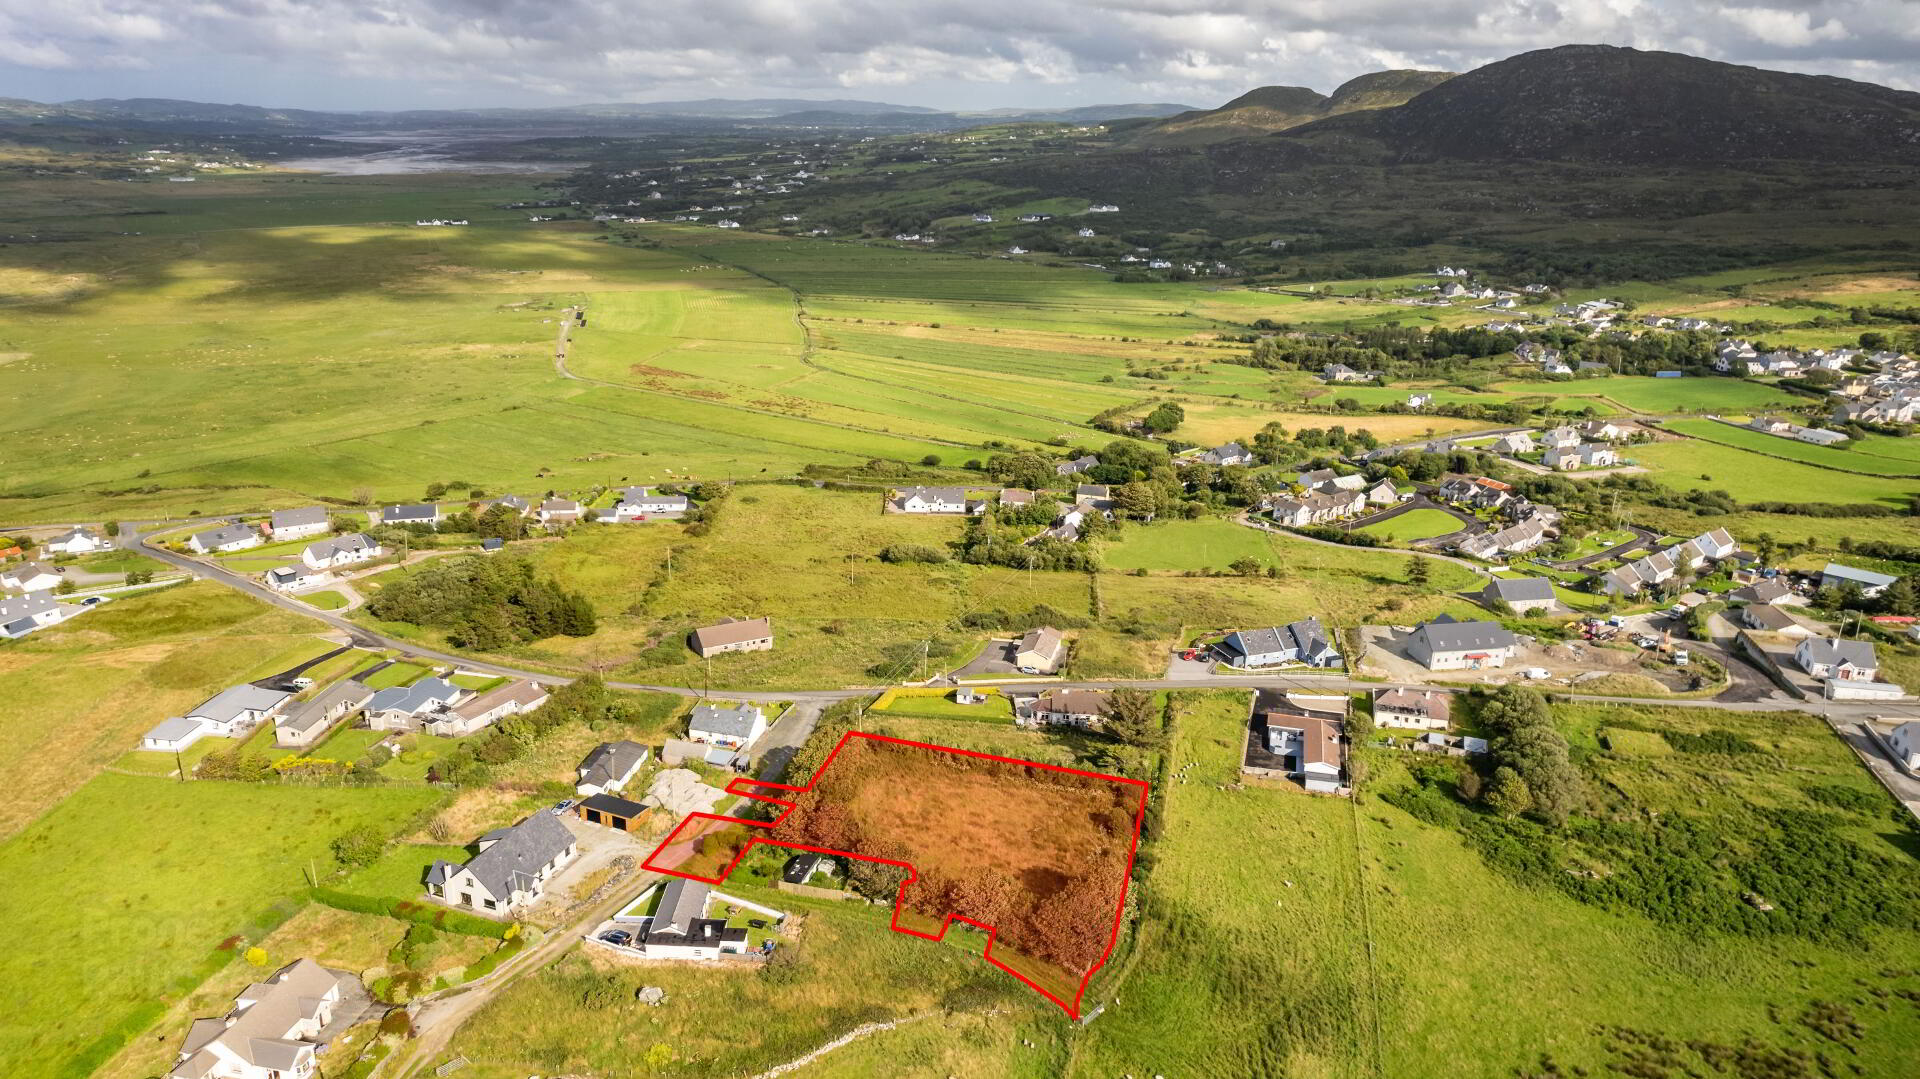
739,786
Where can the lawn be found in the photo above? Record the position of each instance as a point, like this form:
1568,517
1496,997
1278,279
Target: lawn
1415,525
77,941
995,709
327,601
348,743
401,873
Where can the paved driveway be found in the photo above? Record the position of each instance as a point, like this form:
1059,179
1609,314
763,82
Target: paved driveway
1190,670
996,659
784,738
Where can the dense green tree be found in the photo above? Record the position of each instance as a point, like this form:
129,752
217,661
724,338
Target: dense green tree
1507,795
1165,418
1134,719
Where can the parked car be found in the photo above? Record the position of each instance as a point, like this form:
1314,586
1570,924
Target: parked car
564,804
617,936
303,682
1189,654
92,600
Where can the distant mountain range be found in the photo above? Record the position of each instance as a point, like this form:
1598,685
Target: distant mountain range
608,118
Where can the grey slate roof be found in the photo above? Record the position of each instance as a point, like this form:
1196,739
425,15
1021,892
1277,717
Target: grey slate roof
327,548
611,761
415,512
26,606
316,711
227,705
416,698
514,856
735,722
1303,638
225,534
1443,634
644,494
683,901
309,515
1837,650
168,730
1765,591
1519,589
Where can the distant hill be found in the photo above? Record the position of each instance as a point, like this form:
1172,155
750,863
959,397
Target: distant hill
1603,104
1268,109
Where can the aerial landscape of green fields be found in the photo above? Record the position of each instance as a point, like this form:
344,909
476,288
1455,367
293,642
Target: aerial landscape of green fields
670,587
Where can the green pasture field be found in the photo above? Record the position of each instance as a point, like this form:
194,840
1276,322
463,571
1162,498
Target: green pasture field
166,842
1419,524
327,601
1878,455
401,872
1527,971
120,561
1693,464
104,678
1660,395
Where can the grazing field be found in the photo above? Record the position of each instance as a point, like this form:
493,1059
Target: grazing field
1662,395
1697,465
75,940
102,679
1203,543
1415,525
1878,455
1520,971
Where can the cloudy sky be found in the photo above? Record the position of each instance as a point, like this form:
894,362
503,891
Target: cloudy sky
943,53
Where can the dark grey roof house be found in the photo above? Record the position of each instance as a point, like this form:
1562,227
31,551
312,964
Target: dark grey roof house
511,869
610,766
1521,593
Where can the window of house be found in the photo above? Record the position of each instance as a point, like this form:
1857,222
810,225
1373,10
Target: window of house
491,904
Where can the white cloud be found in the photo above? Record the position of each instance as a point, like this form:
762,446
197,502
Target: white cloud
954,52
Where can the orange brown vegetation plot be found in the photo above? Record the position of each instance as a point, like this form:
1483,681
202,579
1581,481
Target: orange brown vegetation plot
1040,855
